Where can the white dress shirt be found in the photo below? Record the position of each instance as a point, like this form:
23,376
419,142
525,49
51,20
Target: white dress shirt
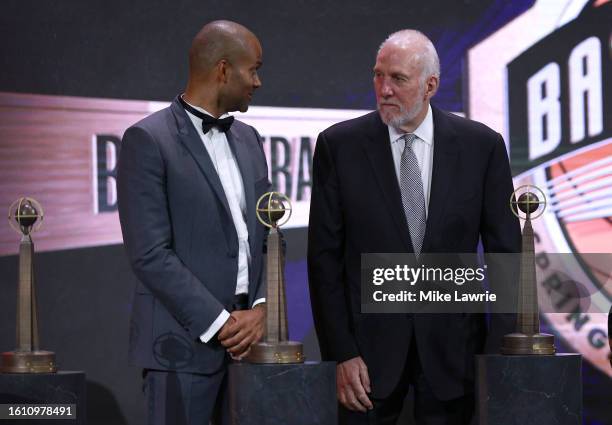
422,146
225,164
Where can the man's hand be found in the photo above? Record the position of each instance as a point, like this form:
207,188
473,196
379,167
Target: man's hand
243,328
352,384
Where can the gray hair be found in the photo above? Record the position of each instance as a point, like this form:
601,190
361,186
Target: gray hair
426,56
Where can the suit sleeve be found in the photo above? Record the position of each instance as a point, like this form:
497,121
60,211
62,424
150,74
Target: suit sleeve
261,284
500,233
326,239
147,235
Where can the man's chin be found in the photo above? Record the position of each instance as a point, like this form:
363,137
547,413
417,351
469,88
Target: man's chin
386,117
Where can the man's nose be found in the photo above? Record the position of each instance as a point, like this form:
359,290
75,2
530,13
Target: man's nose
257,82
386,90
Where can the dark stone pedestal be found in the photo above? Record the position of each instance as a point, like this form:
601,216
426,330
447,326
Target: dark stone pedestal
525,390
283,394
45,388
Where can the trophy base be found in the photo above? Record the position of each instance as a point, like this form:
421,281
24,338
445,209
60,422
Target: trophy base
277,352
522,344
28,362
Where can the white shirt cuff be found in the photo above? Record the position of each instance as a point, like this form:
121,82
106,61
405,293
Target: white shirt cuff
216,325
258,301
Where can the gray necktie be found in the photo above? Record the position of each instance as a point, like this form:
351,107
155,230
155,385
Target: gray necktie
413,198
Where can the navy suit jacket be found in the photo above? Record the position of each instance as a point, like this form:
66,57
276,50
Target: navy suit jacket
180,237
356,208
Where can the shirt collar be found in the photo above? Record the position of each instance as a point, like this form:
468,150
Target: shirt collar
203,110
424,131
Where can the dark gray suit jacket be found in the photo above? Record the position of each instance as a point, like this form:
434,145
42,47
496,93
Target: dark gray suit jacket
180,237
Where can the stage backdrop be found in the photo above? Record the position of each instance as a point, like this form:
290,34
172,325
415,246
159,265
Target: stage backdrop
76,75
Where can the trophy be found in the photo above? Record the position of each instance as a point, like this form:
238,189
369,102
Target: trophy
24,214
527,339
272,207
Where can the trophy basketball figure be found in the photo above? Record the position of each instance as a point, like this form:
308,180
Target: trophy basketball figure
527,339
25,216
272,207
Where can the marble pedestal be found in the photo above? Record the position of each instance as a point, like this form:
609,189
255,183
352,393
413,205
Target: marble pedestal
526,390
282,394
63,387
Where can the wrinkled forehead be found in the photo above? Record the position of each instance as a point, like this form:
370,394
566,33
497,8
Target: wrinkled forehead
404,56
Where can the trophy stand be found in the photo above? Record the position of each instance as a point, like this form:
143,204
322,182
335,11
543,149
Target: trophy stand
527,339
274,385
29,375
528,383
27,357
276,347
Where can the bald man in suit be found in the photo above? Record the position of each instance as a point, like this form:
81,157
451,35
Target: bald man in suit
188,179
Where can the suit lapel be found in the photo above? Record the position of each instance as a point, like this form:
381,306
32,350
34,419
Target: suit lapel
192,142
445,162
241,152
378,150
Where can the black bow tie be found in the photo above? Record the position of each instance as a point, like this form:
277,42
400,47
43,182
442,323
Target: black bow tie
209,122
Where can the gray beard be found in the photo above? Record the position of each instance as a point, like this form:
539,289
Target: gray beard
404,117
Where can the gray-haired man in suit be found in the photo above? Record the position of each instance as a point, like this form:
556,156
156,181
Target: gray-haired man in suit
188,179
407,178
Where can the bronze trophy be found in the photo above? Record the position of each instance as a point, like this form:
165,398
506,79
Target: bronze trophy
527,340
275,347
24,214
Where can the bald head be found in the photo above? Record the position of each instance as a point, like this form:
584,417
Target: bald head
223,63
216,41
420,48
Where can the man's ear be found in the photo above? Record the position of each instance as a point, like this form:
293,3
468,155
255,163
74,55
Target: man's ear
223,71
431,86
